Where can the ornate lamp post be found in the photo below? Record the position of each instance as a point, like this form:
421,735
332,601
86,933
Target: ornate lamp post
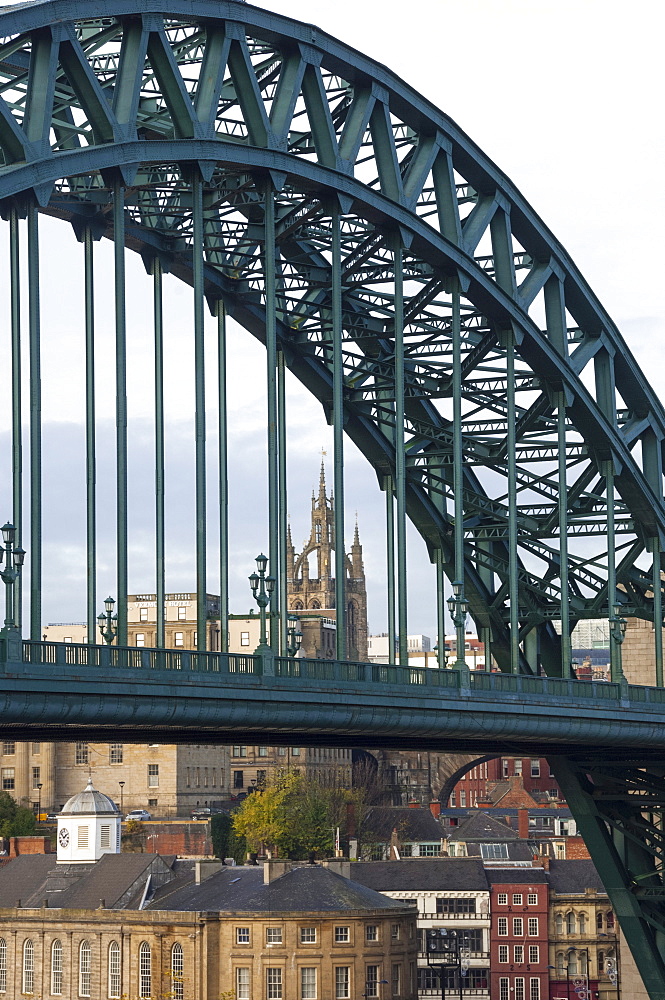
122,788
617,635
13,558
39,801
459,608
294,641
106,622
262,588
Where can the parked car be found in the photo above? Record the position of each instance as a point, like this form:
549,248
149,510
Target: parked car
52,817
201,812
139,814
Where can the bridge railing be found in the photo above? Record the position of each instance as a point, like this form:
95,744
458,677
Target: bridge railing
54,654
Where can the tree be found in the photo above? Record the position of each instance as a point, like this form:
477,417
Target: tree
15,821
226,843
290,815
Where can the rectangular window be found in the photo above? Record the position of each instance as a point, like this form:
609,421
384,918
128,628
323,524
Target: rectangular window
503,899
244,638
82,837
342,982
295,751
503,988
105,836
36,748
532,899
81,753
281,752
534,989
535,768
455,904
238,781
517,764
371,932
517,899
308,935
372,981
263,751
143,614
519,988
394,932
153,775
35,777
308,984
503,926
504,768
274,982
140,638
503,953
240,751
273,935
534,954
8,779
182,614
242,935
342,935
518,954
115,753
533,926
396,980
462,799
242,984
9,748
430,850
518,927
178,639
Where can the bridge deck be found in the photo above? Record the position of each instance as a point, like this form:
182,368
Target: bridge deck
64,690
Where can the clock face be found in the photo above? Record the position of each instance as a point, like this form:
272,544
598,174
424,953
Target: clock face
63,837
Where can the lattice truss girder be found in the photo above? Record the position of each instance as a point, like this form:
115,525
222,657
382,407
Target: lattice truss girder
619,810
156,96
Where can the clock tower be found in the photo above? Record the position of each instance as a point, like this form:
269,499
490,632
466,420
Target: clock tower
88,827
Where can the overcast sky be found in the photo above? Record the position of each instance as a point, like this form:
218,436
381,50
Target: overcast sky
564,97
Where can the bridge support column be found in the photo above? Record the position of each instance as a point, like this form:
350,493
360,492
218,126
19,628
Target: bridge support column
617,808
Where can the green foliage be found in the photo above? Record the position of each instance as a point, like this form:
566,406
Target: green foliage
15,821
226,843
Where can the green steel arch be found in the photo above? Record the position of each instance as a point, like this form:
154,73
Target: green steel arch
393,268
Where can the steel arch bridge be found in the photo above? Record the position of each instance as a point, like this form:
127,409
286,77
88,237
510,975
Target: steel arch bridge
386,262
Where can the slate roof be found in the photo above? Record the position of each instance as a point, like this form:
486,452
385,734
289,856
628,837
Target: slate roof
574,876
422,875
523,876
483,827
118,879
411,824
310,888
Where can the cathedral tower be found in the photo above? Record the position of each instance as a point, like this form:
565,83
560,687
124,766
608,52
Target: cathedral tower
311,580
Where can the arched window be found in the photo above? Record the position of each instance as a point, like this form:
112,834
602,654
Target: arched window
601,962
570,923
114,969
583,964
85,957
56,967
599,921
582,923
314,605
317,532
3,965
297,606
28,967
560,964
610,920
145,976
572,963
558,921
177,971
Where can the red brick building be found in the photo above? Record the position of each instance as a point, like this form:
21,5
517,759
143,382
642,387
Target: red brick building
518,933
491,779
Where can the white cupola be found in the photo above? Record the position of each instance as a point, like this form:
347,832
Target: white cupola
88,826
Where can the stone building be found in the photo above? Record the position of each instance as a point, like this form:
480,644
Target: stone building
166,779
314,590
142,926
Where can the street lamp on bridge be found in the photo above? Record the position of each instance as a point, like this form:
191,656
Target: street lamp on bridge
13,558
459,608
262,589
107,621
294,641
617,635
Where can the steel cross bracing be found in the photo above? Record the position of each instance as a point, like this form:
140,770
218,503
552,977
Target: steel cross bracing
382,258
